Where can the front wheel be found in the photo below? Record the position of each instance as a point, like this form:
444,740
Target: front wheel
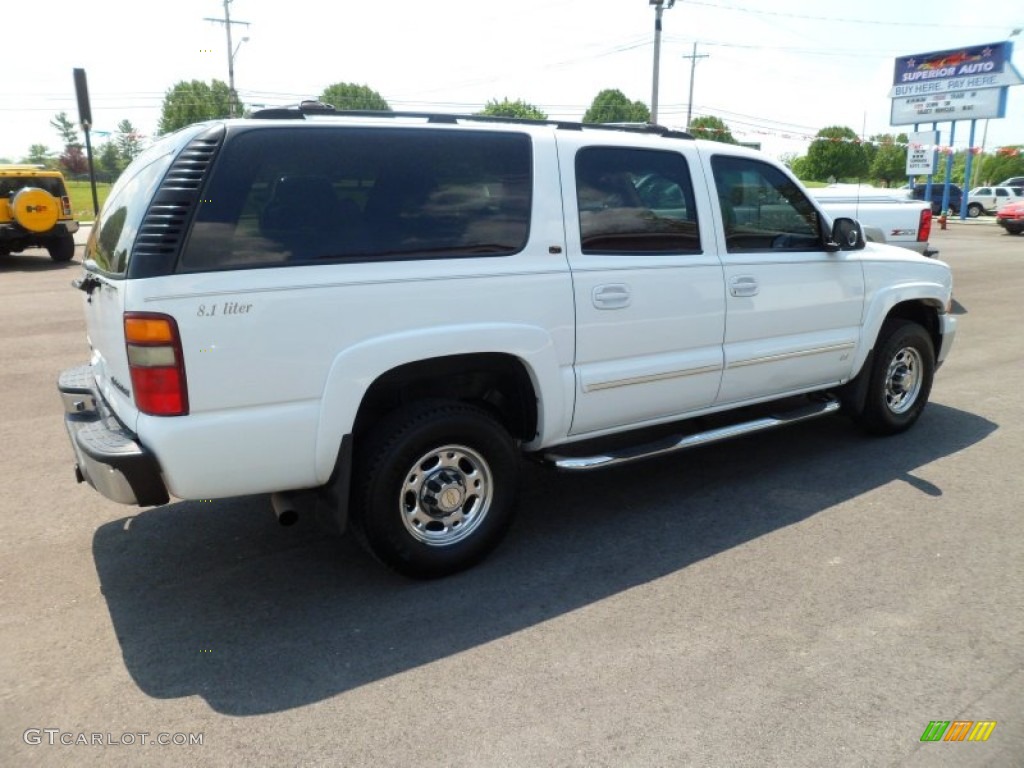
436,488
900,379
974,210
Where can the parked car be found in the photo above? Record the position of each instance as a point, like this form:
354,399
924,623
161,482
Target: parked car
955,196
887,215
1013,181
1011,217
35,212
372,317
990,199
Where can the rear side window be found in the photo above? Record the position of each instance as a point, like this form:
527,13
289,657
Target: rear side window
310,195
635,201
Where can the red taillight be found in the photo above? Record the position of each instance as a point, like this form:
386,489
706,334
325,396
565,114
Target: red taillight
65,203
156,363
924,227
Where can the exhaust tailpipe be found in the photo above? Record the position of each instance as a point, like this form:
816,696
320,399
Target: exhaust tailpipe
284,508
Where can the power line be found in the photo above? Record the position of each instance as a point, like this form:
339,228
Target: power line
834,19
693,66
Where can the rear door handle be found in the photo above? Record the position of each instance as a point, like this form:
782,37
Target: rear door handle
611,296
743,285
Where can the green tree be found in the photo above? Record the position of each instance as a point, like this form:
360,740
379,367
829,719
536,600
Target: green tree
836,154
1002,164
192,102
612,106
711,127
73,159
66,128
890,158
799,167
517,109
39,154
108,159
353,96
128,142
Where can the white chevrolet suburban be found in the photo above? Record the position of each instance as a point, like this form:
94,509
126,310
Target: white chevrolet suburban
375,315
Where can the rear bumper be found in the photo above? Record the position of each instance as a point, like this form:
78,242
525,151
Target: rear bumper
108,456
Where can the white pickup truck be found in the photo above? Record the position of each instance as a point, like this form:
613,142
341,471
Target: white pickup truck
375,316
888,216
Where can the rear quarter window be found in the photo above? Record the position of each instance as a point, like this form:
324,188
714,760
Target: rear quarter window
288,196
114,232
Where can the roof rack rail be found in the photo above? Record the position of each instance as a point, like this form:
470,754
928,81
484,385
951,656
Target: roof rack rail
315,108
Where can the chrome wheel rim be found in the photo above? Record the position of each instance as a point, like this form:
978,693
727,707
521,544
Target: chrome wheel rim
446,495
903,380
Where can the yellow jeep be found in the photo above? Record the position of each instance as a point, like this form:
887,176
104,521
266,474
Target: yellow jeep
35,211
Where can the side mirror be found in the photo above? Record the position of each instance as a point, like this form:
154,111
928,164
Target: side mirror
847,235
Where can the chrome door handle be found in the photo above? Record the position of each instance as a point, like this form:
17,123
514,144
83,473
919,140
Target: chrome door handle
611,296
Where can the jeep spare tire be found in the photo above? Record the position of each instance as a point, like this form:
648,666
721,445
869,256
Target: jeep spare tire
35,209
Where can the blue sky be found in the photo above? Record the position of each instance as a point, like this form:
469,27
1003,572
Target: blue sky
776,71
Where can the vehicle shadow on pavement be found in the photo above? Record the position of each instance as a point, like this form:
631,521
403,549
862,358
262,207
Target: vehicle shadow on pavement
215,599
34,263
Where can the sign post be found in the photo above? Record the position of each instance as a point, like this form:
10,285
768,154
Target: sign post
85,118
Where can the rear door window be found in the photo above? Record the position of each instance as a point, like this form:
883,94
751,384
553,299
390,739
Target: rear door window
288,196
635,201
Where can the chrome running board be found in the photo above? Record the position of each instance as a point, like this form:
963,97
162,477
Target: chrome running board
676,443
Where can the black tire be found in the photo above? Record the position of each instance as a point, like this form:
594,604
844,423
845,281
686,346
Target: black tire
435,488
974,210
1014,230
62,249
900,378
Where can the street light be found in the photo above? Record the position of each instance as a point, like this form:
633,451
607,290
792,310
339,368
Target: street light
232,50
659,7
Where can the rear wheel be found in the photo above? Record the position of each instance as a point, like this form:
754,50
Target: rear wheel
435,488
62,248
1014,230
900,378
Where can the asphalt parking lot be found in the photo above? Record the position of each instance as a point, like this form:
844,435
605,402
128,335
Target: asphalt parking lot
805,597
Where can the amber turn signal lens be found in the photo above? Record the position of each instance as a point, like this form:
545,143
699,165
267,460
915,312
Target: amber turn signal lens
148,330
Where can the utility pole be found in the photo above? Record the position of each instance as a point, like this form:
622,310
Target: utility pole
693,65
227,22
659,7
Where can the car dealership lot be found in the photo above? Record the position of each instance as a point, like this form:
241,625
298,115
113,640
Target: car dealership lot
796,598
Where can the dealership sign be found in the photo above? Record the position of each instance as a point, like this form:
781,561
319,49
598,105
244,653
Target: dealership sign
921,153
958,84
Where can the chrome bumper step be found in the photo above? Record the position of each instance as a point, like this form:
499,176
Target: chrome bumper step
682,443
